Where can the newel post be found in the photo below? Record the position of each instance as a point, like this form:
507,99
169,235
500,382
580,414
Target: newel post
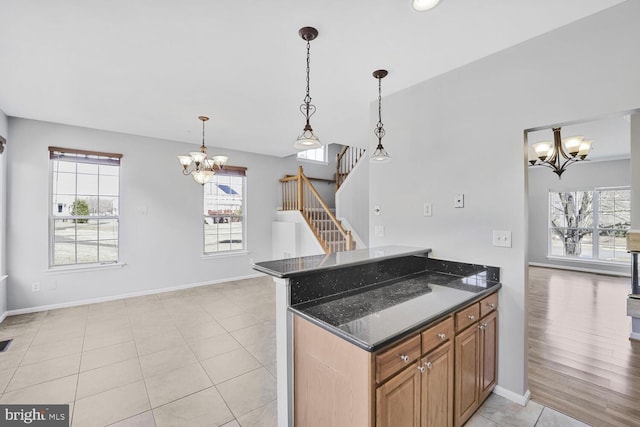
300,201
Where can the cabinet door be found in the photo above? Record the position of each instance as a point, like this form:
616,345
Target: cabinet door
437,387
398,400
488,354
467,368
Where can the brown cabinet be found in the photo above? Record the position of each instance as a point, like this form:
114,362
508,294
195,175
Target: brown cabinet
476,362
398,400
435,377
437,388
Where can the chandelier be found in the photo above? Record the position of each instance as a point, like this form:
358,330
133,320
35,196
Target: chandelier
380,155
203,169
560,153
307,140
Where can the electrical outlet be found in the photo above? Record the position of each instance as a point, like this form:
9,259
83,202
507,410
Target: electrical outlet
458,201
379,230
35,287
502,238
426,209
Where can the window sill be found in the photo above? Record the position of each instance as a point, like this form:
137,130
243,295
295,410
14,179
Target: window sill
317,162
81,268
228,254
587,261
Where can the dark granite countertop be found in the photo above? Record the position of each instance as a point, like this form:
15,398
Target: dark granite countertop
291,267
378,315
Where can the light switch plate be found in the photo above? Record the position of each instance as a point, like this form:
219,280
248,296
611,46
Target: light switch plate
502,238
427,209
458,201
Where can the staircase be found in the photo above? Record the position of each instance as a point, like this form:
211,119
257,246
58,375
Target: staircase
347,160
299,194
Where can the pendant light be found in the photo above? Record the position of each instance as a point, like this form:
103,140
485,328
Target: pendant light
380,155
307,140
203,167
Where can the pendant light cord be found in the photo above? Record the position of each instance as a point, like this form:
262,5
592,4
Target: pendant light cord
379,131
307,98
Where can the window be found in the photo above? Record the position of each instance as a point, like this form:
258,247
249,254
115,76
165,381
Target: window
318,155
84,210
224,207
590,224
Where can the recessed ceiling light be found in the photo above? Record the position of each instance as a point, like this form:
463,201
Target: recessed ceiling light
422,5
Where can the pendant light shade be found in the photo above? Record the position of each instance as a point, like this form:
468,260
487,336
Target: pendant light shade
307,140
380,155
422,5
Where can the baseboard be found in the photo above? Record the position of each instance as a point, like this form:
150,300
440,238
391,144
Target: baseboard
635,336
3,316
123,296
520,399
584,270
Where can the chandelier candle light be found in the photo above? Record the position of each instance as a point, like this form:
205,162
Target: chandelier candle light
307,140
559,154
203,167
380,155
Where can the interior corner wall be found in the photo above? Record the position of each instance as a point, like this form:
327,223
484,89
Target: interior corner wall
4,132
462,133
580,176
635,171
160,217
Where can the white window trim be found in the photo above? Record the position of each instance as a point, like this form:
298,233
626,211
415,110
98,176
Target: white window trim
245,227
595,249
318,162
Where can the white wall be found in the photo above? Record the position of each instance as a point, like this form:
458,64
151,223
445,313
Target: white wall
462,132
579,176
4,132
635,170
352,200
160,249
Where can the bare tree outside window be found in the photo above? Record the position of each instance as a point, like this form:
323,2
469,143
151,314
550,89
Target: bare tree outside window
590,224
572,219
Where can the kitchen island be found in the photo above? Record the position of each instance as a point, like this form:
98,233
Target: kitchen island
377,308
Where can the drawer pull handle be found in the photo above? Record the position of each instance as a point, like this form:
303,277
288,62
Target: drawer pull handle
428,364
442,336
404,358
421,369
471,317
491,305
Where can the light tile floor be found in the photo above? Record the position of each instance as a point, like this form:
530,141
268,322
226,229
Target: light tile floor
198,357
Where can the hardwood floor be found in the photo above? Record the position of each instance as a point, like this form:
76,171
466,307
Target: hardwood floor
581,361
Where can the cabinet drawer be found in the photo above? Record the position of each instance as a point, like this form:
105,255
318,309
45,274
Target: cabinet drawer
436,335
467,316
397,357
488,304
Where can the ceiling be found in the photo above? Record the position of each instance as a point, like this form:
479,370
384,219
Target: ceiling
151,68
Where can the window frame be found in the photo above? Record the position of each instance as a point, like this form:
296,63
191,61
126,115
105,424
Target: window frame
325,155
237,171
595,227
99,158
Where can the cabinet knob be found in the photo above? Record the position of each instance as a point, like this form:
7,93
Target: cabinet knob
483,325
442,336
421,369
491,305
471,317
428,364
404,358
